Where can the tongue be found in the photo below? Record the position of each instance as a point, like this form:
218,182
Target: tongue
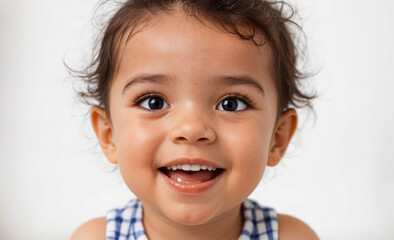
190,176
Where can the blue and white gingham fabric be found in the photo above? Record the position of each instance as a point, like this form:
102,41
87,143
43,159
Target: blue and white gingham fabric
260,223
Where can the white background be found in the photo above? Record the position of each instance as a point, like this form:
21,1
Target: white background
339,173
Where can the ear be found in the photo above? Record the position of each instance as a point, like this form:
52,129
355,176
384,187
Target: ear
103,129
284,131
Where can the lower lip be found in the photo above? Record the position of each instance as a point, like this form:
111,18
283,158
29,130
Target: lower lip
191,187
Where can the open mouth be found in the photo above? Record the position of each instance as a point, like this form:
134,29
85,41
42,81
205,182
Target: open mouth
185,173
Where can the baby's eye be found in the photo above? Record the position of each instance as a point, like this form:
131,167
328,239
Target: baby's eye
231,104
154,103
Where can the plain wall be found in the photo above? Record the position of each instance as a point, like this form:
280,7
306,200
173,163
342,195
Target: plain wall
337,176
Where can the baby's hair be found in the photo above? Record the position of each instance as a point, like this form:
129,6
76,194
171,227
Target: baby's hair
234,16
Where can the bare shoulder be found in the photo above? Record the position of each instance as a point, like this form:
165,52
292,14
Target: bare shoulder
293,228
93,229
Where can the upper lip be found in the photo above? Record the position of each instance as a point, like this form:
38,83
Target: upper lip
191,161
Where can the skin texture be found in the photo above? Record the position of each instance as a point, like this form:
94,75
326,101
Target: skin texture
194,59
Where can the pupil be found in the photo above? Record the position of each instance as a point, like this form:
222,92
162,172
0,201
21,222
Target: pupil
230,104
156,103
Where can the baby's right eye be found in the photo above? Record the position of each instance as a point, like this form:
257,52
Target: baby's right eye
153,103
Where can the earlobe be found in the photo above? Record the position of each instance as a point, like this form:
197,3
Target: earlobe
284,131
102,127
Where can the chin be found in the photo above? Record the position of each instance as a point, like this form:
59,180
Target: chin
190,217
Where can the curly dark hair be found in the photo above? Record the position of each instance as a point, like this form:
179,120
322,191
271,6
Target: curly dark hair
260,16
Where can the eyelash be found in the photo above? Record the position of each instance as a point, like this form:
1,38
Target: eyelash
145,95
243,97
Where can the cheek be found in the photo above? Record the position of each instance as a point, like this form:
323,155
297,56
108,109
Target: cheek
136,142
248,152
249,142
136,139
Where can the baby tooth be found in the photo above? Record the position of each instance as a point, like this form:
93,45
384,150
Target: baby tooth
186,167
195,168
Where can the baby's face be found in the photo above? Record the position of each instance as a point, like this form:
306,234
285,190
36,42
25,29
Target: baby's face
190,96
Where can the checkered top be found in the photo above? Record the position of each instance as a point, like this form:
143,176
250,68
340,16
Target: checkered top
260,223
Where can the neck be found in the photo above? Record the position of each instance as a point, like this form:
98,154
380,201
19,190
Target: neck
227,226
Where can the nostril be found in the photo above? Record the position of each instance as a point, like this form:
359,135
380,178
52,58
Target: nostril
202,139
192,134
184,139
181,139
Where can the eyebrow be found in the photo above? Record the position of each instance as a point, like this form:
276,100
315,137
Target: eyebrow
143,78
242,80
226,80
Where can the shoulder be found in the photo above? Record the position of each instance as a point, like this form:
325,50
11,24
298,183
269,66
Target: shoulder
93,229
293,228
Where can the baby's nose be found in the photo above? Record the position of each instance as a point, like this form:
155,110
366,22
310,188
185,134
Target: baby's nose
192,127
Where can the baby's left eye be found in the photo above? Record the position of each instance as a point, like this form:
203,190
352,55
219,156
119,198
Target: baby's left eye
231,104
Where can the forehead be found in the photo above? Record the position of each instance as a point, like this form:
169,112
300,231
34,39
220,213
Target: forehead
182,45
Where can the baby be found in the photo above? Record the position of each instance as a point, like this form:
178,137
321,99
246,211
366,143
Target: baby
194,98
